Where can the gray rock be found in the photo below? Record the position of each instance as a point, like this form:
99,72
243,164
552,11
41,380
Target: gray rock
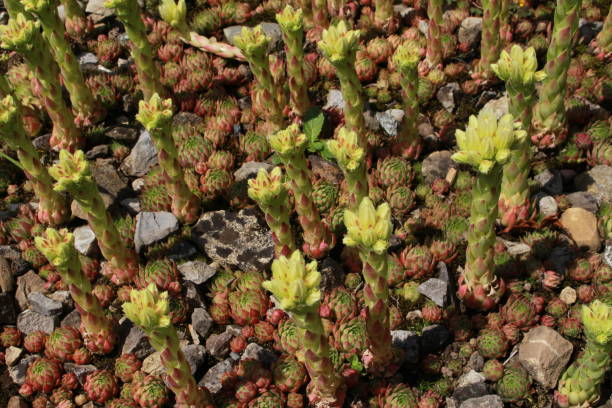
7,280
598,181
434,337
548,206
9,252
87,58
39,303
18,371
325,169
470,385
108,179
390,120
122,134
152,227
544,353
335,100
97,152
26,284
272,30
423,27
235,239
8,308
152,364
137,342
96,10
12,355
218,344
517,248
197,272
29,321
588,30
469,30
195,355
80,371
72,319
583,199
256,352
42,142
249,170
568,295
499,105
437,165
78,212
212,379
607,255
201,321
131,204
446,95
142,157
476,361
436,290
409,342
486,401
85,240
550,182
181,250
186,118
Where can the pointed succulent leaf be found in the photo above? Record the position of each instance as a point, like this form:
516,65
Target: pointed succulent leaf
174,13
518,66
294,282
38,6
72,171
267,186
368,227
148,308
338,43
252,41
57,247
290,19
597,321
288,141
407,55
20,34
345,149
488,141
156,113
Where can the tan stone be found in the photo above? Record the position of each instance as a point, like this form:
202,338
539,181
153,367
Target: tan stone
17,402
27,283
544,353
581,225
7,281
568,295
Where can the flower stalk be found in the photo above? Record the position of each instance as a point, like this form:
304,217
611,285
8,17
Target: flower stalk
155,115
434,39
73,175
351,159
98,330
490,45
23,35
296,286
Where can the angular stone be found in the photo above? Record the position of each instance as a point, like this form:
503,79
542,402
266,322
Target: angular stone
548,206
142,158
18,371
499,106
26,284
256,352
152,227
78,212
201,321
12,355
17,402
469,30
434,337
132,204
152,364
550,182
437,164
581,225
598,181
72,319
325,169
195,355
235,239
446,95
487,401
197,272
470,385
218,344
335,100
96,10
568,295
108,178
409,342
7,280
97,152
212,379
434,289
122,134
137,342
40,303
544,353
80,371
85,240
249,170
29,321
583,199
8,308
390,120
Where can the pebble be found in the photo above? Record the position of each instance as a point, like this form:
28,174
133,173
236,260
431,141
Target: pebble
29,321
12,355
568,295
152,227
581,225
142,157
40,303
85,240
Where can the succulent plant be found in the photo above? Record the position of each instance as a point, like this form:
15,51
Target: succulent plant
394,171
43,375
519,311
556,307
288,336
398,395
350,335
515,384
62,343
492,343
126,365
570,327
10,337
493,370
248,306
417,260
289,374
163,273
34,342
150,392
100,386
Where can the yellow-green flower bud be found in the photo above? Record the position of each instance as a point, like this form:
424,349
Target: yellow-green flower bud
368,227
346,150
20,34
518,67
71,172
290,19
155,113
57,247
338,42
597,321
252,41
294,283
487,141
267,187
148,308
174,13
288,141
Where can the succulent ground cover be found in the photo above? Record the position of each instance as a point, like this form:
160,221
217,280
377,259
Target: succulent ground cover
326,203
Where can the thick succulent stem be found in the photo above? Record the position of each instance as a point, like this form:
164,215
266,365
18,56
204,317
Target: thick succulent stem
291,23
434,40
77,24
603,41
150,310
98,330
351,159
290,145
81,97
254,44
490,45
53,208
156,116
73,175
269,191
128,13
549,122
23,36
409,143
319,13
